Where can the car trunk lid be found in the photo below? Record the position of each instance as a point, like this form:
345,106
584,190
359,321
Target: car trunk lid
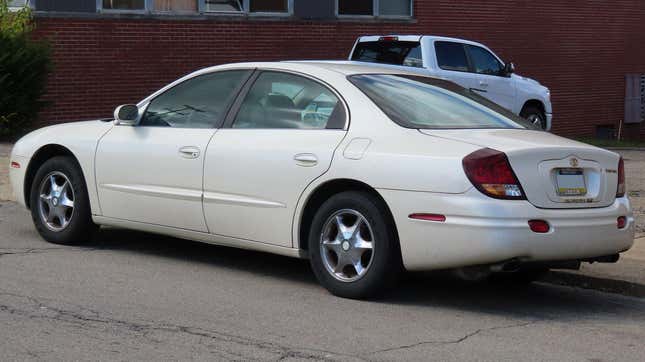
554,172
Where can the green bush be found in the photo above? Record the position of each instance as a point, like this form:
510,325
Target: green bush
24,66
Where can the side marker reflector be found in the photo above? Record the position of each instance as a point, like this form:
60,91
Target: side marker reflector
428,217
539,226
621,222
15,164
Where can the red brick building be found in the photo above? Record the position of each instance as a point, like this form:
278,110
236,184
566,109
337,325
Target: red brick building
108,52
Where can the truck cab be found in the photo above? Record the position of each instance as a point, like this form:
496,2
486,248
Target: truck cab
469,64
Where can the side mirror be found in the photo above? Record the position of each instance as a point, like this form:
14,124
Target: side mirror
126,114
509,68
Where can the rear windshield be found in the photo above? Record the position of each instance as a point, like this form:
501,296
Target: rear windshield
389,52
423,102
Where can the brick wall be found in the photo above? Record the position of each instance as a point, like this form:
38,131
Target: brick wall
580,49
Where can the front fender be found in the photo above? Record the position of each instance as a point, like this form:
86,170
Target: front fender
79,138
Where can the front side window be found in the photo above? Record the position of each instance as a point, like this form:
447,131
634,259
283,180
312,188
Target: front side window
484,62
451,56
422,102
282,100
389,52
124,4
199,102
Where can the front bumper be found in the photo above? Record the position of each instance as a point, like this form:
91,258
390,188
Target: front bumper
481,230
549,121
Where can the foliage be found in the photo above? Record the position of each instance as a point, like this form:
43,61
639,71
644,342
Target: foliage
24,66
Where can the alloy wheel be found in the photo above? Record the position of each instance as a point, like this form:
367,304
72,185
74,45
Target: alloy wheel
56,201
347,245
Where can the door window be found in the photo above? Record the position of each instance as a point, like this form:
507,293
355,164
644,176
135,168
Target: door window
451,56
199,102
282,100
484,62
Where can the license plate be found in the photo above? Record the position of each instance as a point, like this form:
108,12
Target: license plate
570,182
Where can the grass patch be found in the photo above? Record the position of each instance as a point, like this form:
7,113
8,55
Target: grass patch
611,143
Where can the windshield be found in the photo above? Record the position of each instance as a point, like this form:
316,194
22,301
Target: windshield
423,102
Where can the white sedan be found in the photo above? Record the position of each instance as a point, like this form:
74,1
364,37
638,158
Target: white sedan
364,170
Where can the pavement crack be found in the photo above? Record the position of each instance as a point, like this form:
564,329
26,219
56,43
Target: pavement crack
23,251
225,345
454,341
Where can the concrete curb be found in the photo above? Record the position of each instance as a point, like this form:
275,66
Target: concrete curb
596,283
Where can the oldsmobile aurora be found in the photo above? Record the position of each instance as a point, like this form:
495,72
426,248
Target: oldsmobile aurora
365,170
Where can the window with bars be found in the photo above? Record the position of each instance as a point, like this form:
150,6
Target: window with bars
634,98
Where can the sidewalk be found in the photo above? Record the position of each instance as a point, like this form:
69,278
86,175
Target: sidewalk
625,277
5,189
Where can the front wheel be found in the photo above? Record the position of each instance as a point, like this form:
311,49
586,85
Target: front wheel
535,116
60,207
353,247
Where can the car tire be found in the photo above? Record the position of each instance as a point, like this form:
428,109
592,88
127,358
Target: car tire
535,116
60,206
364,259
523,276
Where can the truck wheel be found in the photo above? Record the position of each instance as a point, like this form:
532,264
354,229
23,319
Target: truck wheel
535,116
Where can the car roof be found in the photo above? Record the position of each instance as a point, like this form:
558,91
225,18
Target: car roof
344,67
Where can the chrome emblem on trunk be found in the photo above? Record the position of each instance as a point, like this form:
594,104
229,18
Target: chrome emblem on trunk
573,162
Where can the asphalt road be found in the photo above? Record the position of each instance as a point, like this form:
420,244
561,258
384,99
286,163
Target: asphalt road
134,296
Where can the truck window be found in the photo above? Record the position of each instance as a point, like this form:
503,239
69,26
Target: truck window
406,53
451,56
484,62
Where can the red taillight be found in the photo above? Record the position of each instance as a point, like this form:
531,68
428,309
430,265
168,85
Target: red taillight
428,217
15,164
491,173
620,191
621,222
539,226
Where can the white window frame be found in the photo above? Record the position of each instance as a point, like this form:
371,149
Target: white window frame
376,12
201,9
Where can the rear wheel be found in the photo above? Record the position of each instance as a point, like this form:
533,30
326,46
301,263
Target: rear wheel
535,116
60,207
353,248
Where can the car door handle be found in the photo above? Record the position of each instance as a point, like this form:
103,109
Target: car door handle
306,159
478,90
483,84
189,152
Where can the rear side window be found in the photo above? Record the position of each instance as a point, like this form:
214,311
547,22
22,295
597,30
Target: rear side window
422,102
484,62
451,56
282,100
406,53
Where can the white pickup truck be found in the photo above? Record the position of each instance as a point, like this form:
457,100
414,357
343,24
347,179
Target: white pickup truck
467,63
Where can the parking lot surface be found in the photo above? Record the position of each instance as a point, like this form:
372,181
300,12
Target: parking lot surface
129,295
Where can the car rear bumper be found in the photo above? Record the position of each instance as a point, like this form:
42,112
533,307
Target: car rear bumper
481,230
